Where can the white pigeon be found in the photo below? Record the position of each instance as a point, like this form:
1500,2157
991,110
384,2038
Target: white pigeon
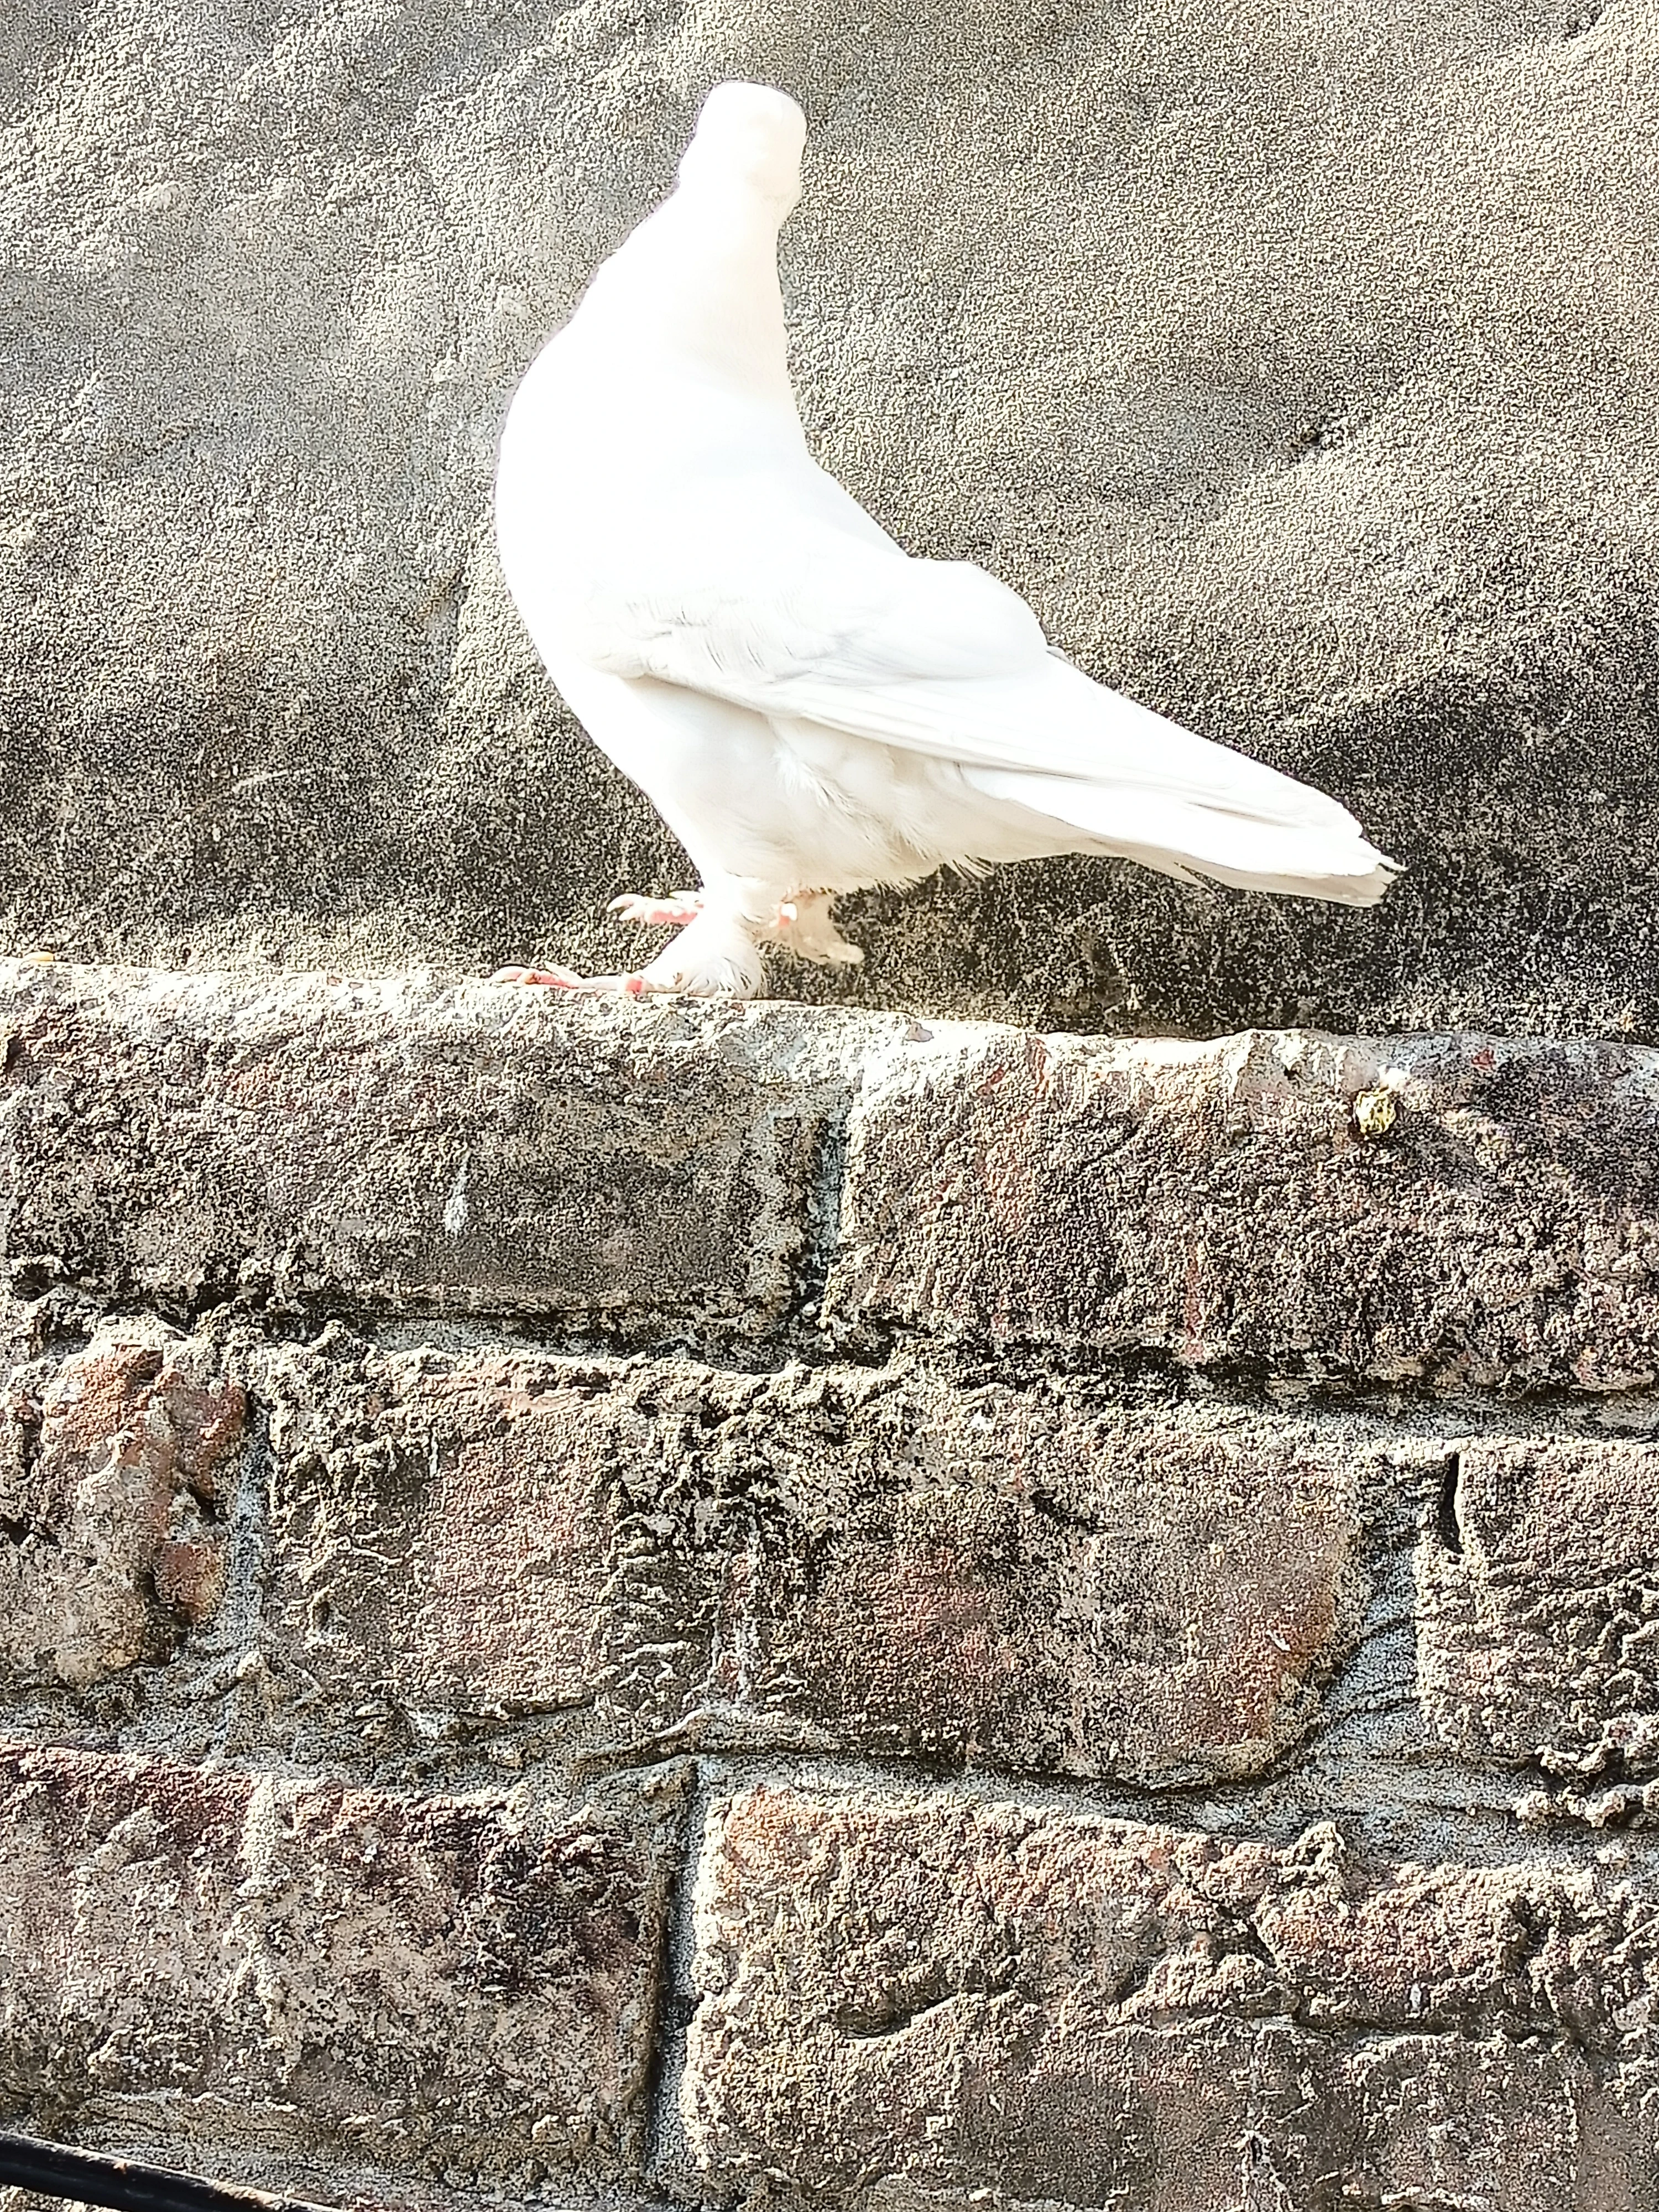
811,710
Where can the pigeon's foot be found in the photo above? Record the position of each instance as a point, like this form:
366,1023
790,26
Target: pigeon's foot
802,925
674,912
591,987
805,927
714,956
561,979
641,984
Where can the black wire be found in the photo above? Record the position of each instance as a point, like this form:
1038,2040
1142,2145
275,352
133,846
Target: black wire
125,2183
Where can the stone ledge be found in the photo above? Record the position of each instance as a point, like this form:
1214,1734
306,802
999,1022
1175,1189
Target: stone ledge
1459,1211
1448,1211
401,1145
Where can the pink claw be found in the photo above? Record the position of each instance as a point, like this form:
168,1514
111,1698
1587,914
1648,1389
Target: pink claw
672,912
593,987
557,979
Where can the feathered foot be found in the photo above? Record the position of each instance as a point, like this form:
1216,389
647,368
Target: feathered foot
714,956
805,927
801,925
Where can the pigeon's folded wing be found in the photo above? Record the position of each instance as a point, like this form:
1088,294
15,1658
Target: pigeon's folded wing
815,625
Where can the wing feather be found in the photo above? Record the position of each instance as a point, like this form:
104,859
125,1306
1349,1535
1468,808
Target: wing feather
812,624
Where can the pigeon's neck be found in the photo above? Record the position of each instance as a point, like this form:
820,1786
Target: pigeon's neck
695,290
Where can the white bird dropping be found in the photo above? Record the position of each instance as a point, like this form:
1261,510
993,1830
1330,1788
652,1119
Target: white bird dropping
810,710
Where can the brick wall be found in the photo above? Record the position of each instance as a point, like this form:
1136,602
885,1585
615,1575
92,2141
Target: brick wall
752,1603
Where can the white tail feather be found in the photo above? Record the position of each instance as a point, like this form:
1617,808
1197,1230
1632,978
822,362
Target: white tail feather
1326,859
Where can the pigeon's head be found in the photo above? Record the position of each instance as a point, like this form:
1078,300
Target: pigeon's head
751,138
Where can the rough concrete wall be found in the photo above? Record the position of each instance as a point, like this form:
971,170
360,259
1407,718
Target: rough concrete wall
722,1604
1297,362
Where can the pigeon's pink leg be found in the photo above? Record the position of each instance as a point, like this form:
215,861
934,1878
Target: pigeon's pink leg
674,912
802,924
713,955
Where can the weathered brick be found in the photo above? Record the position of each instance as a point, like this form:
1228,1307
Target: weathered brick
112,1487
958,1996
1225,1204
470,1533
1454,2122
874,1562
1538,1637
400,1143
452,1984
1029,1583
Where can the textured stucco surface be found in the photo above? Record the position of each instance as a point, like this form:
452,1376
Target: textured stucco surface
1296,364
